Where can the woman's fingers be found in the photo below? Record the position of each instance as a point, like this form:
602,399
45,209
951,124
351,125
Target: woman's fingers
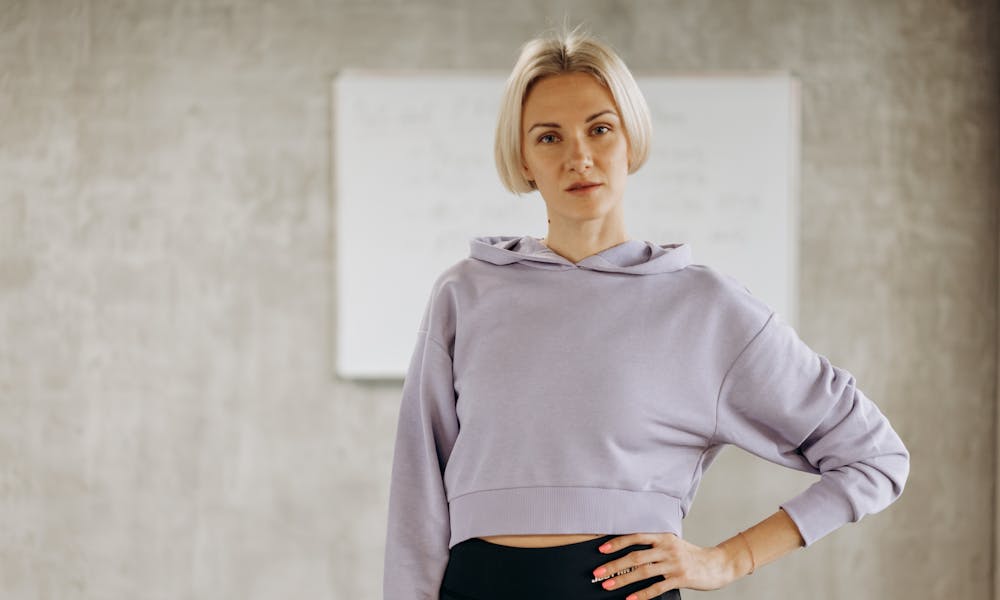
632,539
632,574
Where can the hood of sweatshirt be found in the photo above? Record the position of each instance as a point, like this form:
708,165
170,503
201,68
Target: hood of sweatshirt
635,257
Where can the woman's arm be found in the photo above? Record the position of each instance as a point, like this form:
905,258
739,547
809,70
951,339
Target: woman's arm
687,565
765,542
784,402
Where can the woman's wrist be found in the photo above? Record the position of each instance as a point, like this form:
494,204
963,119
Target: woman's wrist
735,555
761,544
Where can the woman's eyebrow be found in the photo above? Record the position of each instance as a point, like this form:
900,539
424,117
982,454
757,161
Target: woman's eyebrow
589,119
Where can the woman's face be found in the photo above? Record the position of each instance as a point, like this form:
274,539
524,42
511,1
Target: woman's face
571,132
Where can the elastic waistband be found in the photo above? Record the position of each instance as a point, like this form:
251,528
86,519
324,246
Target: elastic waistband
481,570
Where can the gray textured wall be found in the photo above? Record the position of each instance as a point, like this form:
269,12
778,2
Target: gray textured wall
170,426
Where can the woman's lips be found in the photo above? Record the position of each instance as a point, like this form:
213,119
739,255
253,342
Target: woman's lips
584,190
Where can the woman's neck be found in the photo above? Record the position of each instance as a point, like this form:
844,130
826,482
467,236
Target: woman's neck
577,249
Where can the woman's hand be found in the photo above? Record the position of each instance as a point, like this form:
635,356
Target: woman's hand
683,564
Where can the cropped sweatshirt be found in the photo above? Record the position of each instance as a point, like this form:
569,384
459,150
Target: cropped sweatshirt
545,396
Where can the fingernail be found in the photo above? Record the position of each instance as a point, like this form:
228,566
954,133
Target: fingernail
605,547
600,571
609,584
632,597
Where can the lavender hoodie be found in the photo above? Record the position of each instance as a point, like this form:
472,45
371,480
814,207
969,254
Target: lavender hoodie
546,396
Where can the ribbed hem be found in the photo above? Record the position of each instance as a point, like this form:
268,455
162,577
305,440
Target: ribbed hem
552,510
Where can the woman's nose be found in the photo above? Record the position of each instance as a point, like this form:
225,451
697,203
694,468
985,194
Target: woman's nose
579,156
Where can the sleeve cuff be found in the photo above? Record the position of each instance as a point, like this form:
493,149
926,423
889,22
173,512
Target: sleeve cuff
819,510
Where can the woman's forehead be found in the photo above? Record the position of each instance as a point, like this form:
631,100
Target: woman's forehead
565,95
566,85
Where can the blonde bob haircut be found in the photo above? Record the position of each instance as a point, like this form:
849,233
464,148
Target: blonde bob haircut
568,52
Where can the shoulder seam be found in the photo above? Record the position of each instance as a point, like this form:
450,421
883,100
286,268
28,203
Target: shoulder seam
718,395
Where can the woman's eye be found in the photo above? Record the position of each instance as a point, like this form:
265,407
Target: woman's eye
552,135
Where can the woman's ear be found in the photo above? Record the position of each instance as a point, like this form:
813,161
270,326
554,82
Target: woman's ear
526,172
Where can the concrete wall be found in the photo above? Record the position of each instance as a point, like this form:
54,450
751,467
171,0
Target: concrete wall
170,426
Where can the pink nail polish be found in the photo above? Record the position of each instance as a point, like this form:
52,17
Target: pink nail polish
600,571
632,597
605,548
609,584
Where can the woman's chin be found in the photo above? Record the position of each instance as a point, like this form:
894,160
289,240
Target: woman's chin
587,207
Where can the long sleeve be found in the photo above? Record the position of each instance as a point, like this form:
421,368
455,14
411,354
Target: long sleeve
785,403
416,547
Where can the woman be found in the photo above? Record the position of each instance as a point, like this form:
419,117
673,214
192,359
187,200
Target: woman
565,394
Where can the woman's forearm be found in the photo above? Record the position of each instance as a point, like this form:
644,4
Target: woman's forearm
768,540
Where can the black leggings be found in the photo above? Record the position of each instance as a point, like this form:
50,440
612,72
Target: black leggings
481,570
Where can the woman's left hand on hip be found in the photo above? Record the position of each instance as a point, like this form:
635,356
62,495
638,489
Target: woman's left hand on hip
682,564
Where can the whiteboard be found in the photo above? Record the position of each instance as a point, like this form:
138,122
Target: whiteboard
414,180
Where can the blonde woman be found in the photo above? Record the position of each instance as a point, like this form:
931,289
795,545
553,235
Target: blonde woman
566,393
